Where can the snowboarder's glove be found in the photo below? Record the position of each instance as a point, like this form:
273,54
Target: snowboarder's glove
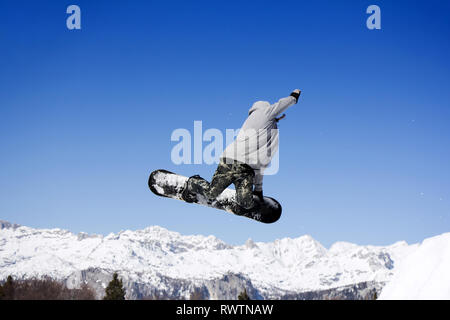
296,94
259,194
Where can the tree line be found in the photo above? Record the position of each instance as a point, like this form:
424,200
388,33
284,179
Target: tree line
42,289
49,289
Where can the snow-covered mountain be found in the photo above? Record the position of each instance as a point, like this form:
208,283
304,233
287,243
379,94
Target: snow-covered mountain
424,274
158,261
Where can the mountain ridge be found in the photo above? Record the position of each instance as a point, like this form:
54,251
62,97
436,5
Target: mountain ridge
154,258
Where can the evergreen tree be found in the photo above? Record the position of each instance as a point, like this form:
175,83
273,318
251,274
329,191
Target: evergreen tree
375,296
243,295
8,289
115,290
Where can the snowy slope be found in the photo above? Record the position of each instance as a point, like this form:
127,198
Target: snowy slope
152,255
424,274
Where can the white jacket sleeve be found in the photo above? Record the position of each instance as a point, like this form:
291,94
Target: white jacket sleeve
280,106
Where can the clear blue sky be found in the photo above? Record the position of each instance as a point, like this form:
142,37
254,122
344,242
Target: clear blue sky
86,115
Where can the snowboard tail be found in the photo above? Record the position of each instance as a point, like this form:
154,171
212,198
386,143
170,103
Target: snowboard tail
171,185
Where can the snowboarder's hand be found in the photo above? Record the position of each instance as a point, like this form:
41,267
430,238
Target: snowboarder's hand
296,94
259,194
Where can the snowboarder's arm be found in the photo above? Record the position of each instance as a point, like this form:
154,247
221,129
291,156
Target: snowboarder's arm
284,103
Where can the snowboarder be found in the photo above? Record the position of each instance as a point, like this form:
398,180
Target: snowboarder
243,161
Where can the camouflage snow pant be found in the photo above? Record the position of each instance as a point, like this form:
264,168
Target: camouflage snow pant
227,172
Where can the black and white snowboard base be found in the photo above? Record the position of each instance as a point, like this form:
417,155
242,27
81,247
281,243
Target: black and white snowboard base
168,184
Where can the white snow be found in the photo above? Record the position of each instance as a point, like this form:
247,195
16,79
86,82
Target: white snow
423,274
299,264
172,180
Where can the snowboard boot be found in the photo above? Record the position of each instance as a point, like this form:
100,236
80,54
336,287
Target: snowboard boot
186,195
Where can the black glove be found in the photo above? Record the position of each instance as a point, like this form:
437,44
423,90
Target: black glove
259,194
296,94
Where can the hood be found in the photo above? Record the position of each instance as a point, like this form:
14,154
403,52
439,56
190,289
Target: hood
258,105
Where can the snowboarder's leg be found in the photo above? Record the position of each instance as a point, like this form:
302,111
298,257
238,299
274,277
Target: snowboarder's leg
227,172
241,174
222,178
244,191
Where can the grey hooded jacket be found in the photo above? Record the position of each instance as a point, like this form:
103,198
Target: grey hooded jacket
257,141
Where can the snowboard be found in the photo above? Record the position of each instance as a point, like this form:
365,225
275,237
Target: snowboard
170,185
